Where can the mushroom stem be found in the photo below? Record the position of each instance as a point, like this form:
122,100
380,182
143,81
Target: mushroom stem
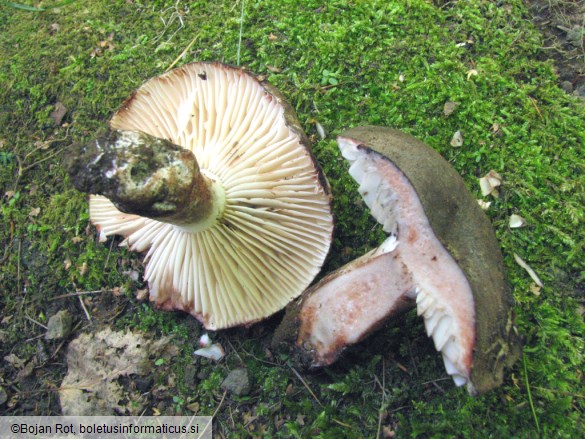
147,176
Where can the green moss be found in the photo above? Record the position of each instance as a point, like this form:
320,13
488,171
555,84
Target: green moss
341,64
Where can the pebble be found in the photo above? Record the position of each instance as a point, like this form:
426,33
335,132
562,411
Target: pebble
580,91
237,382
567,86
59,326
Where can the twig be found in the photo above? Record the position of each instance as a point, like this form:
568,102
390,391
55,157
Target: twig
235,351
533,101
111,319
34,321
530,394
529,270
560,392
412,358
108,257
306,385
437,380
18,275
84,309
54,354
78,293
182,53
241,31
28,340
315,397
383,397
22,170
259,359
220,404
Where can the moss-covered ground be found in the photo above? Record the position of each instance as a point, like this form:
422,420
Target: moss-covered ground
340,63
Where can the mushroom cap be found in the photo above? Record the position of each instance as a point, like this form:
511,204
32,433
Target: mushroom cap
466,233
442,256
274,232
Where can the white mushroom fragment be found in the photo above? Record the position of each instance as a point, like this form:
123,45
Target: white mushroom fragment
208,170
516,221
490,182
441,256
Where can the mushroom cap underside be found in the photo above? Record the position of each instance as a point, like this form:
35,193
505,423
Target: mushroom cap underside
275,230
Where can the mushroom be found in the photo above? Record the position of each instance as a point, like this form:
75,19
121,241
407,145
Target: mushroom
207,168
442,256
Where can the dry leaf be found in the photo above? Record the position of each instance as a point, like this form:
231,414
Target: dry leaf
449,108
26,371
98,364
34,212
272,37
142,294
14,361
496,129
274,69
132,274
67,264
58,113
83,269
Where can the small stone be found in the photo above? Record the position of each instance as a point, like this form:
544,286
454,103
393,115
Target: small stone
237,382
59,326
579,91
193,407
567,86
3,395
190,376
575,36
144,383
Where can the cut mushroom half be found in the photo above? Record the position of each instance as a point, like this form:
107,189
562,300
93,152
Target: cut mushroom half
208,171
441,256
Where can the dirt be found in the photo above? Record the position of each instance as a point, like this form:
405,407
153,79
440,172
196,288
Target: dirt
562,24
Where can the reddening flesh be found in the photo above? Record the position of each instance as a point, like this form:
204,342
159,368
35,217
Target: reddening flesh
357,299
